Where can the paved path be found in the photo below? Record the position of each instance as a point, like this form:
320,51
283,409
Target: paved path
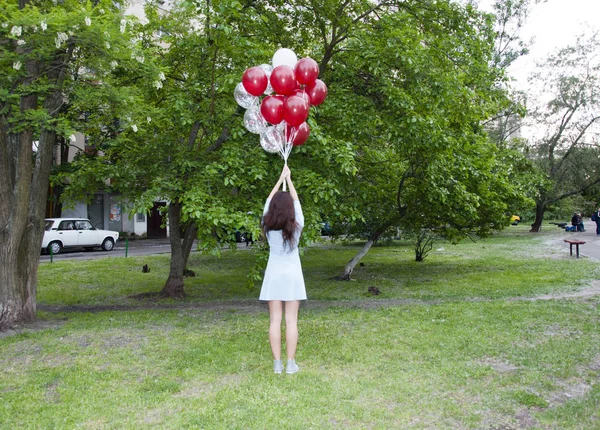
134,248
592,242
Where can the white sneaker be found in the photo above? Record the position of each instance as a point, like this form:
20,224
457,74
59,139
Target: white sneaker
292,367
277,366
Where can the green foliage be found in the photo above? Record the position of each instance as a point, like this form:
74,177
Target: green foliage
93,41
410,97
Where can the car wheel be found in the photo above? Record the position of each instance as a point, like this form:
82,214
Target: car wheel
54,248
108,244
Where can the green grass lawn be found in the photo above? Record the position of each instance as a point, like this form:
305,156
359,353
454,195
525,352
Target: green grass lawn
449,344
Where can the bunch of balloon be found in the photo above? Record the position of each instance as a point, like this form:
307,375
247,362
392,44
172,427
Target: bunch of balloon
290,87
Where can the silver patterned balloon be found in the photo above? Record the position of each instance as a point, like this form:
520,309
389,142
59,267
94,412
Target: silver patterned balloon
272,139
243,97
267,68
254,121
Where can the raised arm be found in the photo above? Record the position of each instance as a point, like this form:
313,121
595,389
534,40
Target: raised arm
278,184
288,178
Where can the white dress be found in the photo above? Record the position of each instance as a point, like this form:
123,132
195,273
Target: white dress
283,278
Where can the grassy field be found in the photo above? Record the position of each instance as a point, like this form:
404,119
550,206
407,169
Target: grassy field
456,342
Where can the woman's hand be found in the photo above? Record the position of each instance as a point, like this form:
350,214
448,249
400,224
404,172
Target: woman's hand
286,173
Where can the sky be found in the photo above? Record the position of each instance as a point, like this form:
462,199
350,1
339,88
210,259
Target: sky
552,25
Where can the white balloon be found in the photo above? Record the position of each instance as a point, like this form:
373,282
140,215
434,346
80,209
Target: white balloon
254,121
267,68
243,97
284,57
272,140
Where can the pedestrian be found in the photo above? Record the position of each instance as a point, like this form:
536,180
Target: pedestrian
596,219
283,282
577,222
580,226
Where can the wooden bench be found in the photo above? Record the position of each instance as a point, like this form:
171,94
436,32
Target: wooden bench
572,242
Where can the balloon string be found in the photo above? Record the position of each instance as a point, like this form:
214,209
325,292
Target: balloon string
287,146
284,181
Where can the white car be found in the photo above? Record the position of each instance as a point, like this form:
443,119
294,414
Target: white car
76,233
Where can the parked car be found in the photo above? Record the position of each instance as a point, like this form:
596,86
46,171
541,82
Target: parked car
326,229
76,233
242,236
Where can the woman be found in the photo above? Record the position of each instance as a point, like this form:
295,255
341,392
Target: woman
283,281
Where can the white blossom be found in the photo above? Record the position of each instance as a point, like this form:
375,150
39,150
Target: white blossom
16,30
88,21
34,28
73,138
185,75
60,39
134,128
44,25
21,42
101,11
158,85
148,119
123,25
113,64
140,59
107,44
4,24
17,65
161,76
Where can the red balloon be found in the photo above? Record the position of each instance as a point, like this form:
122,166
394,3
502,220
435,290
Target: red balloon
271,109
295,111
302,133
303,94
317,92
307,70
255,81
283,80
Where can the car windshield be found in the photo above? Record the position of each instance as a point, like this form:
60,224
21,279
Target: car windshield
48,224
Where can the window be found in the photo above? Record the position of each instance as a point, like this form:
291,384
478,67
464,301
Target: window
83,225
66,225
140,217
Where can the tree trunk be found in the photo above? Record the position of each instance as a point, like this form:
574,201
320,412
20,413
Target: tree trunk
22,221
540,207
174,285
188,241
350,266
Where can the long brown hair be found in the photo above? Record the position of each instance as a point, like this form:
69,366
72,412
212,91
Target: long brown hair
281,216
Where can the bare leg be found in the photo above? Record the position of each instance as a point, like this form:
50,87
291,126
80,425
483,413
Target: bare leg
291,328
275,313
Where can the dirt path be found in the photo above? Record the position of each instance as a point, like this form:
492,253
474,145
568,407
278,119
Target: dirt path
254,306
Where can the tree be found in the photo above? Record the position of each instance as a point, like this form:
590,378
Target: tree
566,148
49,55
411,98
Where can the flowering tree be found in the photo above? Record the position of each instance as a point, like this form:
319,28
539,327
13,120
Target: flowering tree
56,62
